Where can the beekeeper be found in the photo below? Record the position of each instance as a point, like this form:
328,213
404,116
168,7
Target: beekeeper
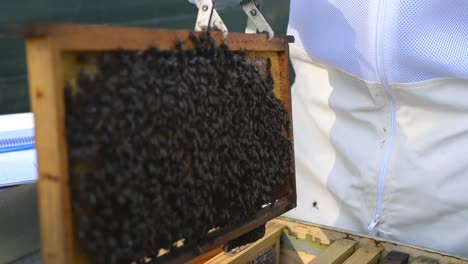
380,110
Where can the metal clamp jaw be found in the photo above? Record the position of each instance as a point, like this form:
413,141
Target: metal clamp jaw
256,22
208,18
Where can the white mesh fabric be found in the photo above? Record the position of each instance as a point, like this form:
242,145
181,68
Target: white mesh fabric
422,39
426,39
337,32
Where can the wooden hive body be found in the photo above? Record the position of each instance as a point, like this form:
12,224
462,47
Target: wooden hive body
296,242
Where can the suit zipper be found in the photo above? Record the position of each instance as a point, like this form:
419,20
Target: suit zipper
380,67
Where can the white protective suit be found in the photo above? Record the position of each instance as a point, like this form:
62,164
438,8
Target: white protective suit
380,109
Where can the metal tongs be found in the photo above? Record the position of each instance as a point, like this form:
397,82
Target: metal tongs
208,18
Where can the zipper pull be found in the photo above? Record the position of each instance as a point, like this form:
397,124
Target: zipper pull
374,223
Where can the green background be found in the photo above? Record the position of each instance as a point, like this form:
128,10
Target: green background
140,13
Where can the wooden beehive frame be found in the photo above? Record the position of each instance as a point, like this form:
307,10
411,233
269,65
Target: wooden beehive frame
46,45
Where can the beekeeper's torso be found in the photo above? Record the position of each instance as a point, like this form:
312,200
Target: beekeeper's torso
380,109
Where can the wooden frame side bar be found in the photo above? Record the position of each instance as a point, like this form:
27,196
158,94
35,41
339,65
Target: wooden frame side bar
47,106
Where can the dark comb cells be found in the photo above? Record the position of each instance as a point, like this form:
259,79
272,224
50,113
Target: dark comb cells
175,143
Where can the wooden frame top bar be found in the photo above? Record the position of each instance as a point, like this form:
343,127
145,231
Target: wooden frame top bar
70,37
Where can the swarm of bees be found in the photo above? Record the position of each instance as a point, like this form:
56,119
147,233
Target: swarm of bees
166,145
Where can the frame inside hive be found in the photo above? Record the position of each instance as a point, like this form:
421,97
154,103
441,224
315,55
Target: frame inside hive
51,52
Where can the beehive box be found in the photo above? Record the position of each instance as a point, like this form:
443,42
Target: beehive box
52,52
292,242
